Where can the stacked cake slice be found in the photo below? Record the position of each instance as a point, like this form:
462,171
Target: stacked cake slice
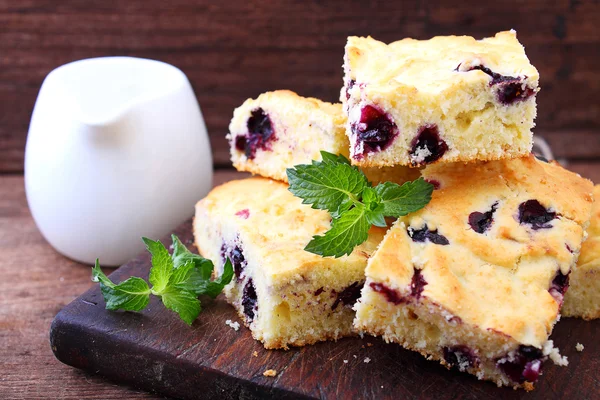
475,279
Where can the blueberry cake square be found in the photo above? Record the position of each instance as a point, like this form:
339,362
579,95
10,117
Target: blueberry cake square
285,295
450,98
476,279
281,129
583,298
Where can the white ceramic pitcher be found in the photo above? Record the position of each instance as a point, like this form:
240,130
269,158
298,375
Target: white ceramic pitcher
117,149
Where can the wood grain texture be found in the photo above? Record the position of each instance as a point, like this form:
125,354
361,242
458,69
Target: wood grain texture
156,351
35,283
235,50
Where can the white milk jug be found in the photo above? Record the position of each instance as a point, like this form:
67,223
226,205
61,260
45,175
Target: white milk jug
117,149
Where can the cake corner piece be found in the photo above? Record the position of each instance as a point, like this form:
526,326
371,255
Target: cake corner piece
448,99
468,280
283,294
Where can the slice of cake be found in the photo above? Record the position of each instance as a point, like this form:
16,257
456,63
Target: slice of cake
280,129
583,298
476,279
285,295
451,98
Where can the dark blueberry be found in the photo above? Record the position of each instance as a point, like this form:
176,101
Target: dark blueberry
249,300
237,258
526,364
481,222
375,130
390,294
417,284
427,141
348,296
319,291
349,87
461,357
436,184
240,143
260,134
425,234
559,286
533,213
510,88
511,92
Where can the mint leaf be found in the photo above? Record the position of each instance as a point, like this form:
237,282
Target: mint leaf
181,255
326,184
401,200
333,158
334,185
162,265
130,295
184,303
178,280
213,288
346,232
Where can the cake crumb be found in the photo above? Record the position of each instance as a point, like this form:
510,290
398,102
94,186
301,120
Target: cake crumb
255,354
579,347
345,361
552,352
367,360
234,325
354,355
369,344
270,373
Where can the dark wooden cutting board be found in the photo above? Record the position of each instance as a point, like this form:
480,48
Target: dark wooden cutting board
154,350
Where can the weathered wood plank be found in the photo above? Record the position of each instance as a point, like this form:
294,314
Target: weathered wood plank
235,50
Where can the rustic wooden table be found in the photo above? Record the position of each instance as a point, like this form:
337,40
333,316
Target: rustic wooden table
35,283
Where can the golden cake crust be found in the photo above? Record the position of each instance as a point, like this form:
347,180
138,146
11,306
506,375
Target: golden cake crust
583,297
499,279
429,65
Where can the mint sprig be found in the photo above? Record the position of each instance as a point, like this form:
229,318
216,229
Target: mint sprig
178,279
334,185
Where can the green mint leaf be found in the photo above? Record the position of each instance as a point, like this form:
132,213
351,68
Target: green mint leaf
401,200
333,158
177,280
184,303
326,185
182,255
376,217
162,265
347,232
182,274
130,295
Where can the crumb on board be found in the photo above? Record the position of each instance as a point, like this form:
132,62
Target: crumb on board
345,361
270,373
255,354
354,355
369,344
367,360
579,347
234,325
528,386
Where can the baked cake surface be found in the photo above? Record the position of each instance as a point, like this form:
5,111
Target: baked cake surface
476,278
285,295
583,297
450,98
281,129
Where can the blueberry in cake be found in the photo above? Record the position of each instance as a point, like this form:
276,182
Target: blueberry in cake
450,98
281,129
583,298
285,295
476,279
